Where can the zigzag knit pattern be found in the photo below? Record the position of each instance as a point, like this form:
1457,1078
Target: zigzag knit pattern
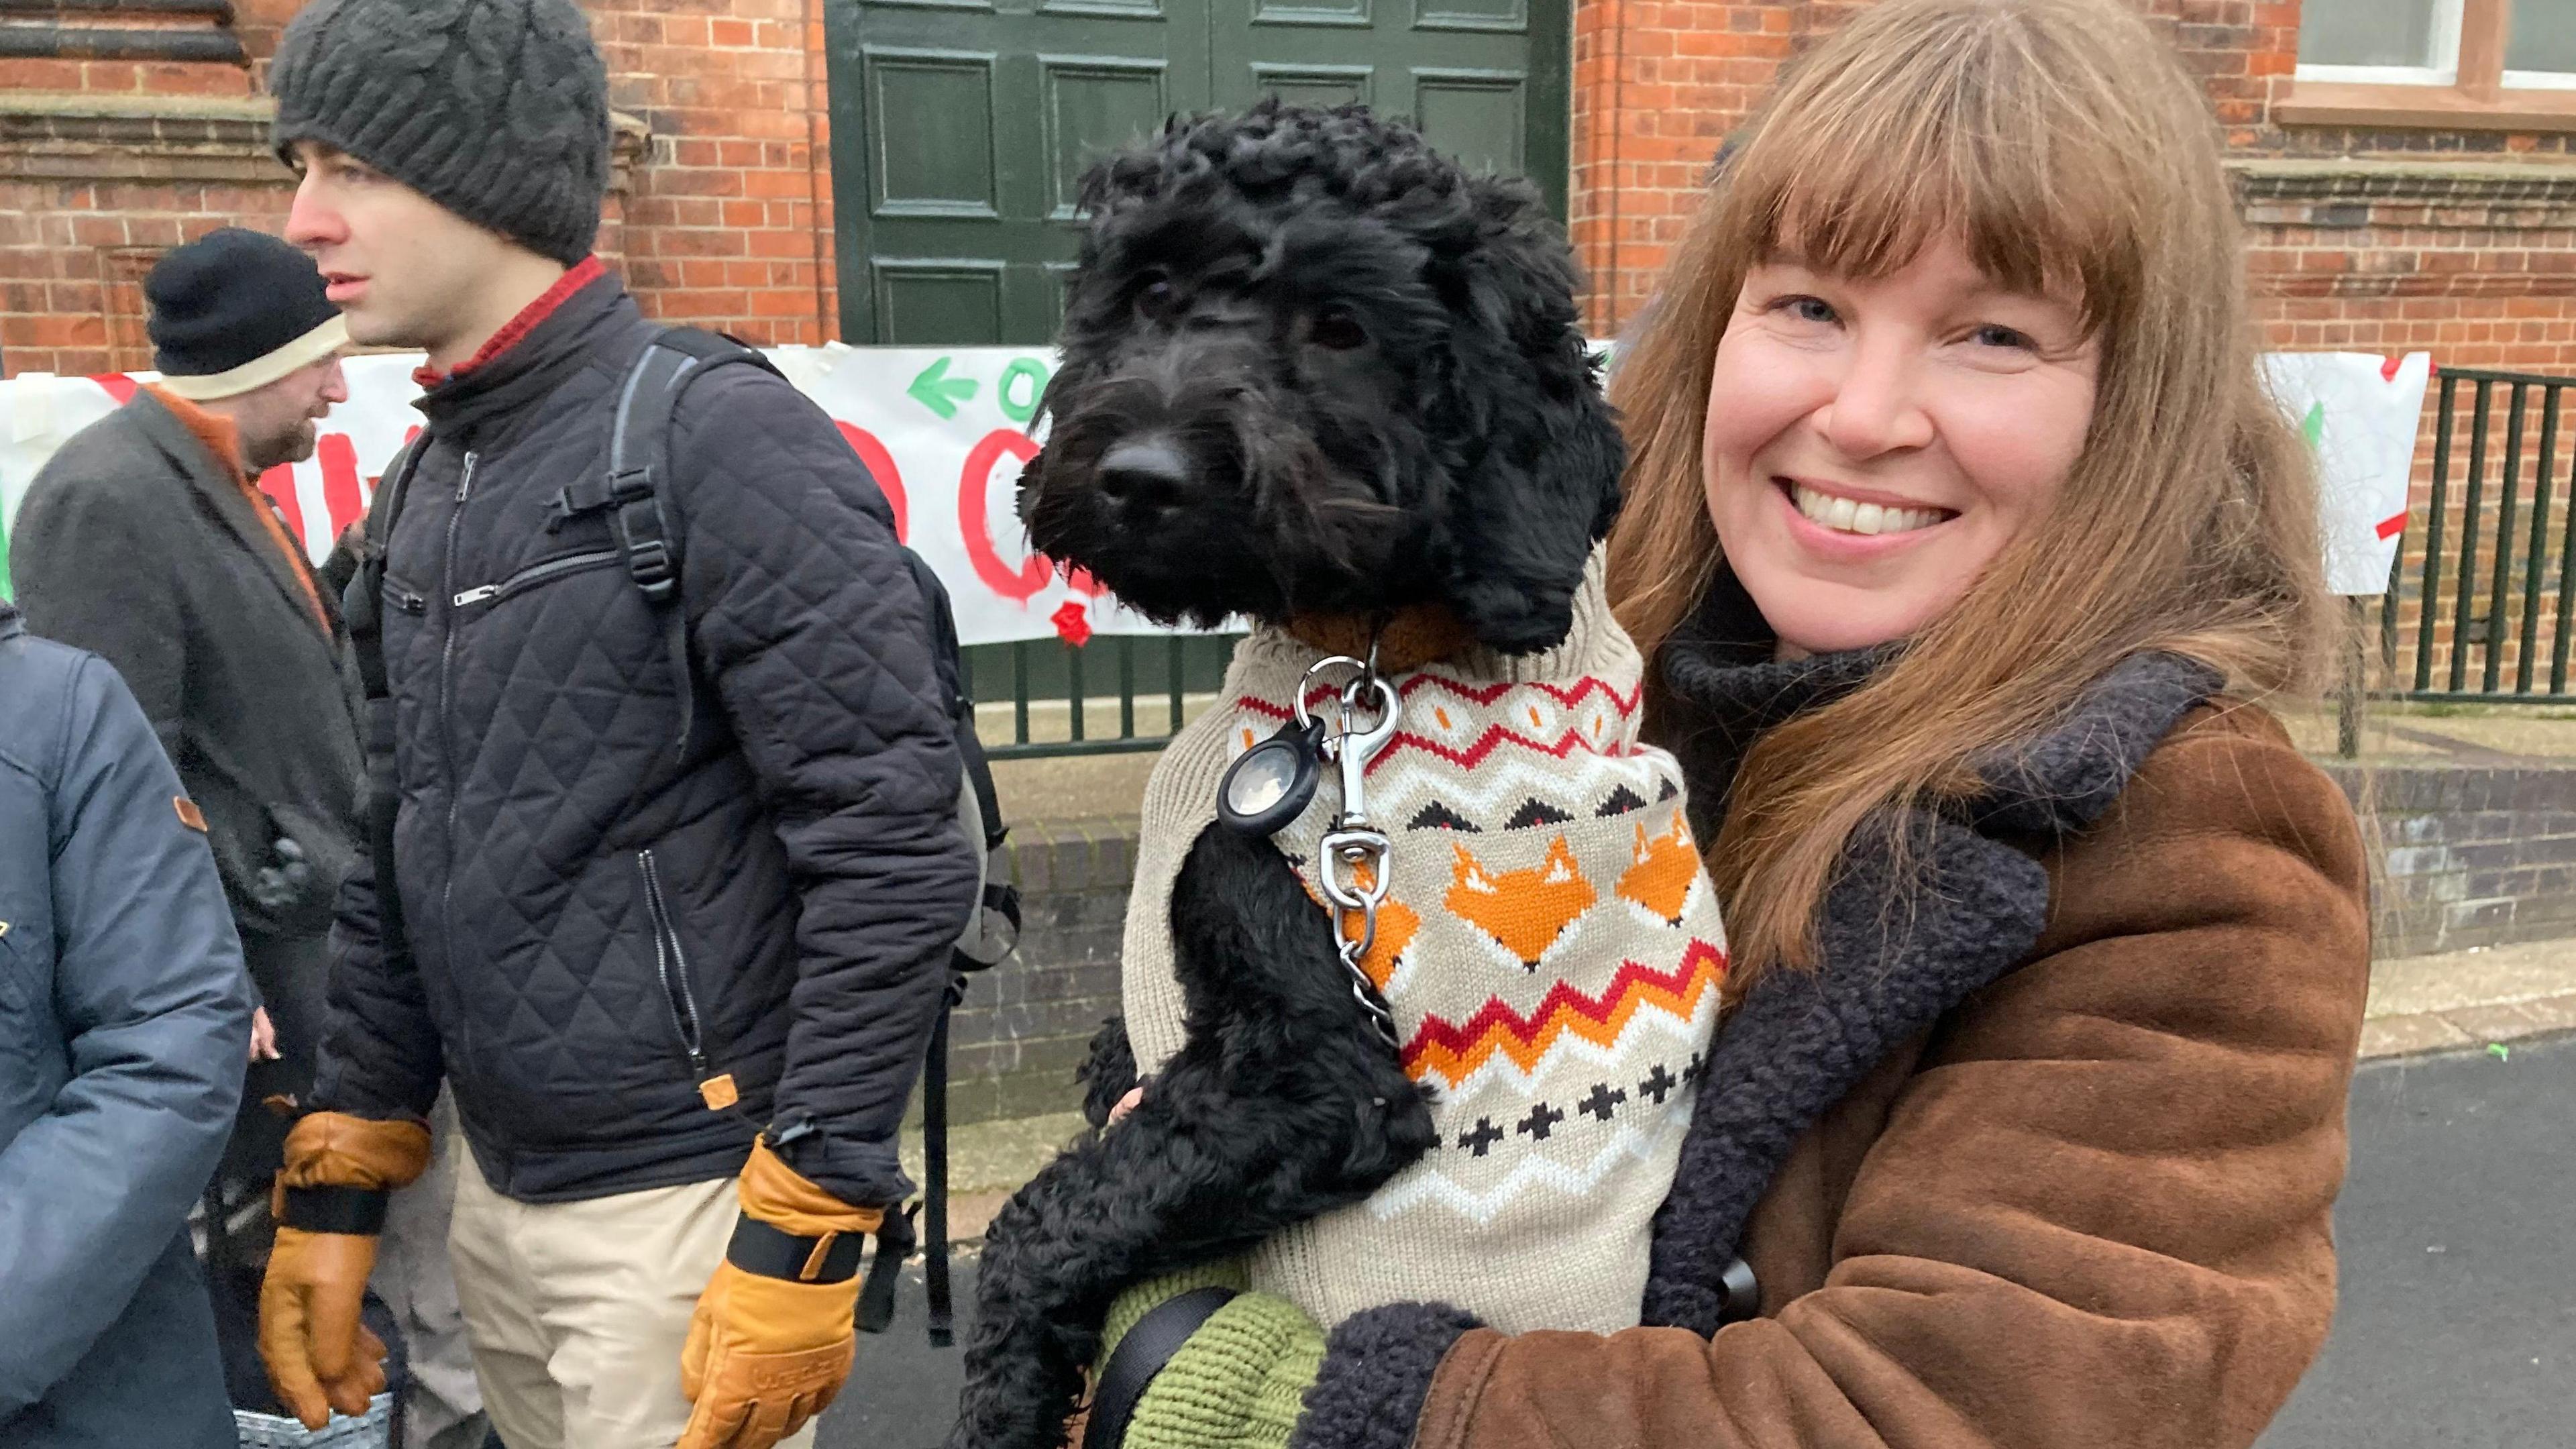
1552,953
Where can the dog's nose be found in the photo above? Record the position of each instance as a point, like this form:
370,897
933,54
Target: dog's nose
1146,474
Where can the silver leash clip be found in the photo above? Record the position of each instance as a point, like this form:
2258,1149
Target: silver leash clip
1352,858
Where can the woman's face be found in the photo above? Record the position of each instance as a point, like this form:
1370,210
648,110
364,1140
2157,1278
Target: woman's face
1872,445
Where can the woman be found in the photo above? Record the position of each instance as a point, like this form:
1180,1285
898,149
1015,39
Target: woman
1963,535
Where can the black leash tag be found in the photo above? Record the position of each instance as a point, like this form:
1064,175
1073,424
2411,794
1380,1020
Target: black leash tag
1273,781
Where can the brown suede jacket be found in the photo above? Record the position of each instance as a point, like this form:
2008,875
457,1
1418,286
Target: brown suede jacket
2048,1161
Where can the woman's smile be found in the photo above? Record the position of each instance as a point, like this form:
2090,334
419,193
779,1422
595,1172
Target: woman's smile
1837,516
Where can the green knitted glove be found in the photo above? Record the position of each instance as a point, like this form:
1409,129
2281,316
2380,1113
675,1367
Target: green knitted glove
1241,1380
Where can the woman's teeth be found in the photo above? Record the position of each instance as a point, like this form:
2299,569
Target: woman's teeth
1846,516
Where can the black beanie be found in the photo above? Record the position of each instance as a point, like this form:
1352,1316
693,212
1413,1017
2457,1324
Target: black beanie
236,310
495,109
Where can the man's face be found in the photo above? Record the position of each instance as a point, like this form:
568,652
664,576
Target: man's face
404,270
277,422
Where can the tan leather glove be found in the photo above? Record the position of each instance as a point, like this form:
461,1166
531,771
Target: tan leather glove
329,1202
773,1336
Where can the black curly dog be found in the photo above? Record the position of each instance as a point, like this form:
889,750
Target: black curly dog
1310,368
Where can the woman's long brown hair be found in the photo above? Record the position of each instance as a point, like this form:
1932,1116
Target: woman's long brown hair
2061,145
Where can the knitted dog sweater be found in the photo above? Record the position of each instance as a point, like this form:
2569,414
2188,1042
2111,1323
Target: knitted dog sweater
1551,950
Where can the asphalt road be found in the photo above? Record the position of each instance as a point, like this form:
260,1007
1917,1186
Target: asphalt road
2458,1236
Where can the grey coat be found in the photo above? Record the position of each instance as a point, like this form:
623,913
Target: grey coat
136,543
124,1019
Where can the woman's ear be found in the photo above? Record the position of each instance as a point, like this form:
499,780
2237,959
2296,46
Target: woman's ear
1543,490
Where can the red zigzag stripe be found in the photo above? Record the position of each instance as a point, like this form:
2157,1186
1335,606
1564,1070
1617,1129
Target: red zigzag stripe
1494,737
1568,698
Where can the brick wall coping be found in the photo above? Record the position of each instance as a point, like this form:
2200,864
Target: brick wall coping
2413,789
1100,855
2423,180
72,135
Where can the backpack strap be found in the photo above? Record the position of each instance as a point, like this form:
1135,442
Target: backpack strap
636,487
362,607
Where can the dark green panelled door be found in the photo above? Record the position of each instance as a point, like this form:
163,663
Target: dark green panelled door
960,126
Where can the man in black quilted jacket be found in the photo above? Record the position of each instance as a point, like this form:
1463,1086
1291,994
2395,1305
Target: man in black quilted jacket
676,939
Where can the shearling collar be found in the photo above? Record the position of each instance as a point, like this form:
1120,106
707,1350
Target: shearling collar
1800,1040
1722,688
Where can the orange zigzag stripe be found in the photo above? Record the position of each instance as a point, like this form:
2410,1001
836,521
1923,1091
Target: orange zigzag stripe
1455,1053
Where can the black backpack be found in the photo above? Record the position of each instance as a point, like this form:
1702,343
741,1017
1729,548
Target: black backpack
645,518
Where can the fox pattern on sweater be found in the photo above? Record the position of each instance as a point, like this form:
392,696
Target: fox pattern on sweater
1550,947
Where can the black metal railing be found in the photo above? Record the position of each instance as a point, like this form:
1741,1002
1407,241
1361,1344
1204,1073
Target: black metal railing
1039,697
2481,604
2480,612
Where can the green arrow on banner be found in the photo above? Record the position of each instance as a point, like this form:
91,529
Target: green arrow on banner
937,391
2313,426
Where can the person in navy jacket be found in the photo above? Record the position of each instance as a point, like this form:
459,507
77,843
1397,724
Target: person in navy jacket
124,1021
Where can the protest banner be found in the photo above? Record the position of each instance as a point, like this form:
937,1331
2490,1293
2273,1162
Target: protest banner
946,431
2362,415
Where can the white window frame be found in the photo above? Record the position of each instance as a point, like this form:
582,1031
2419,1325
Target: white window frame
2445,70
2537,80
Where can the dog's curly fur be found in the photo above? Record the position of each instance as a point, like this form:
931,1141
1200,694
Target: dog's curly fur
1310,367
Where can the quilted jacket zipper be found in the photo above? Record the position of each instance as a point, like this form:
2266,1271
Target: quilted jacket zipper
535,574
672,964
446,717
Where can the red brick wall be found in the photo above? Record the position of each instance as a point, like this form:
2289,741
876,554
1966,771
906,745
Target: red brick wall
730,225
1659,84
724,221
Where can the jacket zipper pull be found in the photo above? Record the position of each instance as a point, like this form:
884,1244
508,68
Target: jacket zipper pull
476,595
465,480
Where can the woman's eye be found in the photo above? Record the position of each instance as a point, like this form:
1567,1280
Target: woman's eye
1807,309
1994,336
1339,330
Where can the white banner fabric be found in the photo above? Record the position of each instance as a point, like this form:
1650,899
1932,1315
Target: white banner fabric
946,431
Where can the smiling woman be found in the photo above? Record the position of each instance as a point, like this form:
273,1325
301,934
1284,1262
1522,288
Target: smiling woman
1989,270
1963,536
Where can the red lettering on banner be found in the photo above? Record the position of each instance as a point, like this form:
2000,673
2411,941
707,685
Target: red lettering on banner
880,466
118,385
279,484
339,459
974,520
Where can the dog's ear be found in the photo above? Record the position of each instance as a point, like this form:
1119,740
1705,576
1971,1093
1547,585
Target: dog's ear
1524,518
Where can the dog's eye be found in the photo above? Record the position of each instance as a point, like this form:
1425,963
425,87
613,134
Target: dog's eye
1338,330
1154,298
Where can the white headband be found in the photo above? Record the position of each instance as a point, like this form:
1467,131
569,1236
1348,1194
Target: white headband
260,371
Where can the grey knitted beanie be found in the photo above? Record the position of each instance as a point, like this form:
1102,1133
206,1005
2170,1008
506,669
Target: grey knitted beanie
494,109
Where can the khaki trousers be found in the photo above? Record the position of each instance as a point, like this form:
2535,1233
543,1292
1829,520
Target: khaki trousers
578,1310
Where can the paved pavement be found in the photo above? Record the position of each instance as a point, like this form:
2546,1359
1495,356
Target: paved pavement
903,1394
2458,1235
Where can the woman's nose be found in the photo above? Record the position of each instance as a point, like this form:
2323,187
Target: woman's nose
1876,407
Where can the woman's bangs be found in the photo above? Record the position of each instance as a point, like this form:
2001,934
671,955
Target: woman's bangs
1855,174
